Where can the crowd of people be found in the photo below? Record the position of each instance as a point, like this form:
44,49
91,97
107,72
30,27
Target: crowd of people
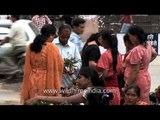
58,63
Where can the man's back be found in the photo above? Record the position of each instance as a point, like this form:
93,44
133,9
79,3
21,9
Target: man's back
17,34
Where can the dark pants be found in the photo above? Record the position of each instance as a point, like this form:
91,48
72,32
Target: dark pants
11,57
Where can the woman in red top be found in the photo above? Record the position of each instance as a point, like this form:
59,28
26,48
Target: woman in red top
138,60
110,64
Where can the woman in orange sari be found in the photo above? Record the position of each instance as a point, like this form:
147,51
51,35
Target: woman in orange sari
89,91
43,66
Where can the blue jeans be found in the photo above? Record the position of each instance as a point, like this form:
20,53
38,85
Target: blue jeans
125,27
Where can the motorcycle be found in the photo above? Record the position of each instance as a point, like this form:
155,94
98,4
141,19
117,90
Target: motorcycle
11,68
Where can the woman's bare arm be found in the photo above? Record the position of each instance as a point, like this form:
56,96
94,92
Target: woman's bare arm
154,54
92,64
77,98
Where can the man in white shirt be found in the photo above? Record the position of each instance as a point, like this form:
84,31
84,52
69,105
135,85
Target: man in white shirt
17,37
68,50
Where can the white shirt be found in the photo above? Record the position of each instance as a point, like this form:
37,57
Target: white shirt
17,34
69,51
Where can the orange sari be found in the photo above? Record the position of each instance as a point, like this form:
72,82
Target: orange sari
42,73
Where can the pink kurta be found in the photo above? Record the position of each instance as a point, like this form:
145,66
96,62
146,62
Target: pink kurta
139,55
106,62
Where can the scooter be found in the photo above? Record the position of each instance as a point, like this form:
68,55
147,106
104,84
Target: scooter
11,69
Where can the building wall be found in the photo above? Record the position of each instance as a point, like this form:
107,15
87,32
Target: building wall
150,23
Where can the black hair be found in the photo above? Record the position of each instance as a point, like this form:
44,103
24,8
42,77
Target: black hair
16,16
139,32
64,26
93,37
111,38
126,38
100,96
40,39
67,18
135,87
90,72
152,98
77,21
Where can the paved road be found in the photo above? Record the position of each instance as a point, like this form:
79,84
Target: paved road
10,93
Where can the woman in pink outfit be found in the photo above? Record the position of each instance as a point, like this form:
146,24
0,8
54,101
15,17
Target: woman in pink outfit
141,54
110,64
